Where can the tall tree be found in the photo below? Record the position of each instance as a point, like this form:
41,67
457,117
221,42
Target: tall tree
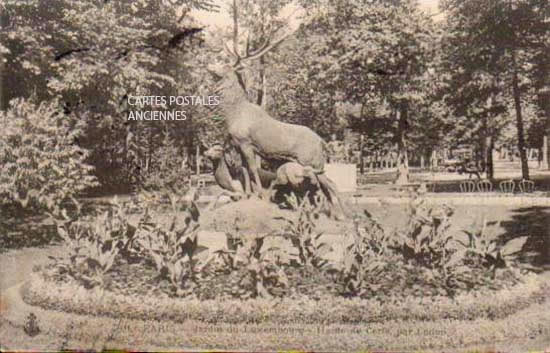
500,38
255,23
92,55
376,54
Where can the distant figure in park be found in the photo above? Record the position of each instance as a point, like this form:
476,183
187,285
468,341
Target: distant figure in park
337,150
469,167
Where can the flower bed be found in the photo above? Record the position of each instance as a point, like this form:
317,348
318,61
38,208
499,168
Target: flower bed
70,297
416,287
422,272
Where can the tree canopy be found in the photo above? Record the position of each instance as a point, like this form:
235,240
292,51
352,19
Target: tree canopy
382,69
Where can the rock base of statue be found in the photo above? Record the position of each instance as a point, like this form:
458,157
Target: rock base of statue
344,175
259,217
251,218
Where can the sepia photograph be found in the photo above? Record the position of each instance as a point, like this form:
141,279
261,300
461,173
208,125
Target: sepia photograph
275,175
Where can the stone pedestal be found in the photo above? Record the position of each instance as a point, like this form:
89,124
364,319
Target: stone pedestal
344,175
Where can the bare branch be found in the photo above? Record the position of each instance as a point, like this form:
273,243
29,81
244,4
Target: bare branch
267,46
230,52
235,28
70,52
268,36
174,42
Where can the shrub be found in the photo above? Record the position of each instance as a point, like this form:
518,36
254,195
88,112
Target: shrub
423,257
173,247
253,265
302,233
264,275
92,243
420,261
41,164
426,239
484,248
367,257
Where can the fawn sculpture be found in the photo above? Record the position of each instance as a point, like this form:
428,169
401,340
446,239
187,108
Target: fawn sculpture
254,132
230,174
229,169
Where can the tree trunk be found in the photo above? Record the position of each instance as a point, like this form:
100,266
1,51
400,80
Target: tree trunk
489,163
361,155
402,157
545,153
433,160
543,101
519,121
260,98
198,159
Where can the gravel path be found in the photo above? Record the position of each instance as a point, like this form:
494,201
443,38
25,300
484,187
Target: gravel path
17,265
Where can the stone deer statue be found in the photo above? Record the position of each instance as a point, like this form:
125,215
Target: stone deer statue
254,132
230,173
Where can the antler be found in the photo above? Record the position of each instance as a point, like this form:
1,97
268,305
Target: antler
251,55
232,53
235,29
264,48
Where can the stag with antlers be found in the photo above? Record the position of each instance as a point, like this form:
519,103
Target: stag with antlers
254,132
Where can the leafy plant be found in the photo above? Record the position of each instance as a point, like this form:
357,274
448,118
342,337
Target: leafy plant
31,327
487,251
422,250
173,247
265,277
92,243
257,269
366,257
302,231
427,237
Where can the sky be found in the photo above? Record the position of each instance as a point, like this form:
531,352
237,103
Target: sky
430,5
222,19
